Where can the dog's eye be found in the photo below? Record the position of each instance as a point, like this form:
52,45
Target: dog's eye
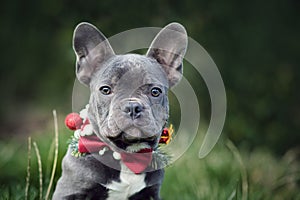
155,92
106,90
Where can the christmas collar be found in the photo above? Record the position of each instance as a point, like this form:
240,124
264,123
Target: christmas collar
136,162
85,141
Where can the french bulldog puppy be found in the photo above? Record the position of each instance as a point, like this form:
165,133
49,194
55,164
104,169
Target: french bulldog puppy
128,109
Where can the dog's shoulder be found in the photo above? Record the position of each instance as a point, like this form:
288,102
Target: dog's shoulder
90,167
83,175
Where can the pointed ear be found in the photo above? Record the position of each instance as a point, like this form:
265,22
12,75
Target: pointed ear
92,49
168,48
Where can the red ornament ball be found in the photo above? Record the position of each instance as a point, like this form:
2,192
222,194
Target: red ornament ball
73,121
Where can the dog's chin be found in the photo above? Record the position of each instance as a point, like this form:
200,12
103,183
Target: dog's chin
134,144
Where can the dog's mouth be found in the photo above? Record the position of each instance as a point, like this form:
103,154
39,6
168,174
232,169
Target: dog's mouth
131,144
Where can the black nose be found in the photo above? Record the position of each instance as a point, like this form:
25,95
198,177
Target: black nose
133,109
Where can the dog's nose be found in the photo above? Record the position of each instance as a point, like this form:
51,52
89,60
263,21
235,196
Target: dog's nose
133,109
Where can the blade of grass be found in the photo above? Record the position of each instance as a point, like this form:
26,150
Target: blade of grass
37,152
287,179
28,168
232,195
50,158
242,167
55,155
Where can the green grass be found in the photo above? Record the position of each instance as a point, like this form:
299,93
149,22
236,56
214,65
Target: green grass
219,175
226,173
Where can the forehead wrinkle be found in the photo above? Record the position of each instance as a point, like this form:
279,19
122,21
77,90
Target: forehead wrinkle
133,69
138,66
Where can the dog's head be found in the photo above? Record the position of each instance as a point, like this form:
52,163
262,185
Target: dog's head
129,102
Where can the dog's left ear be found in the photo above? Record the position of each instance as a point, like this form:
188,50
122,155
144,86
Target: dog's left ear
168,49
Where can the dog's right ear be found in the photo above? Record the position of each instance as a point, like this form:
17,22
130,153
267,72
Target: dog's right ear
92,49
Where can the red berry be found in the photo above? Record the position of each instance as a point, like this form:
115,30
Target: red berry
165,132
73,121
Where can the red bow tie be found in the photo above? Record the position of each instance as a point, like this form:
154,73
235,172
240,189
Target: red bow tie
136,162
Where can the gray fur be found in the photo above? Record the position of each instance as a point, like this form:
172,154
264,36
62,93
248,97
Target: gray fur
131,78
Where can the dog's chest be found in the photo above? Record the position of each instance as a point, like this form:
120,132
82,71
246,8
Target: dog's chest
128,185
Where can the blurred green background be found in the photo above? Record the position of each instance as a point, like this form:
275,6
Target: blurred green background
255,45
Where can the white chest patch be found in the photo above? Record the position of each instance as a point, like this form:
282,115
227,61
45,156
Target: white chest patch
130,184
